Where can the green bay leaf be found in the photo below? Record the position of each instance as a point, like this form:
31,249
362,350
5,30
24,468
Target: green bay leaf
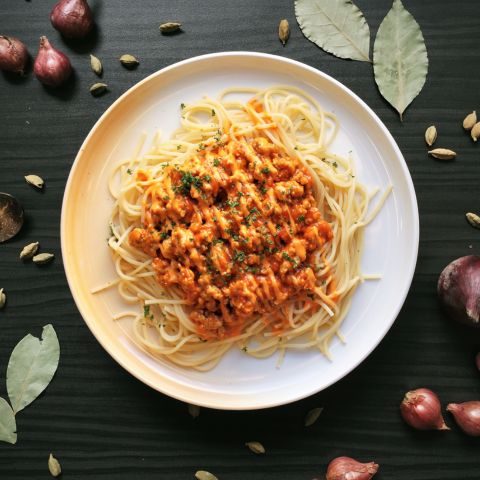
8,426
337,26
400,60
31,367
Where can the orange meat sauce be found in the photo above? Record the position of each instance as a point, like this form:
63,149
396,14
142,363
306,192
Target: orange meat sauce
237,230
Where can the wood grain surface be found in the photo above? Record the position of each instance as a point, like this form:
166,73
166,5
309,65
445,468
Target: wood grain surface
104,424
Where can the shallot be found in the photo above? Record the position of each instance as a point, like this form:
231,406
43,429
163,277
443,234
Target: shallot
467,416
346,468
421,409
72,18
51,67
459,290
13,55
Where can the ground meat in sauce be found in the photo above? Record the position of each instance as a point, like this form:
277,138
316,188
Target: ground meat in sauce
235,229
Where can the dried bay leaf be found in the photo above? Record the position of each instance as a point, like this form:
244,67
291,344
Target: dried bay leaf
31,367
337,27
8,426
400,60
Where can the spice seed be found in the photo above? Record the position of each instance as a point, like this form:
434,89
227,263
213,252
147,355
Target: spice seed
312,416
170,27
442,153
475,133
3,298
256,447
473,219
470,120
129,61
96,65
431,135
29,251
35,181
54,466
193,410
43,258
283,31
98,89
204,475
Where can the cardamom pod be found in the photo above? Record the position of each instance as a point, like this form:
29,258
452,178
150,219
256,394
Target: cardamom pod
54,466
256,447
431,135
98,89
442,153
475,133
204,475
129,61
312,416
473,219
283,31
170,27
193,410
96,65
35,180
470,120
29,251
3,299
43,258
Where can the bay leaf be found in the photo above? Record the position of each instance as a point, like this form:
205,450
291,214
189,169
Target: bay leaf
31,367
8,425
400,60
336,26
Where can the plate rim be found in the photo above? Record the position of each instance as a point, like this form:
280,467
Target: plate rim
164,388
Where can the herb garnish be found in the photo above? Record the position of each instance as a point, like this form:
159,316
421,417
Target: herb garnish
186,182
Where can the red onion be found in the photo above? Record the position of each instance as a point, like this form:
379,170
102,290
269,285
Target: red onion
467,416
13,55
421,409
346,468
51,67
459,290
72,18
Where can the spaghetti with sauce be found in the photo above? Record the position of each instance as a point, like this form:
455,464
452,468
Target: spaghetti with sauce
241,230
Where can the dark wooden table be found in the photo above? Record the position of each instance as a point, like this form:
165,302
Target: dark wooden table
104,424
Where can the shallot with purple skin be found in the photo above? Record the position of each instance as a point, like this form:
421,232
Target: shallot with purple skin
459,290
72,18
346,468
467,416
13,55
422,410
51,67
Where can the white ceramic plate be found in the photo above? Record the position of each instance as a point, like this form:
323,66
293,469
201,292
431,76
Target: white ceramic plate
240,382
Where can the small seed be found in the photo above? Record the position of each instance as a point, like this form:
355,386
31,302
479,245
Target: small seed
29,251
193,410
204,475
43,258
170,27
54,466
312,416
431,135
256,447
442,153
35,180
98,89
96,65
3,298
473,219
283,31
475,133
129,61
470,120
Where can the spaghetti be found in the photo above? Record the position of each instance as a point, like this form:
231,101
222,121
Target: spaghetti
242,229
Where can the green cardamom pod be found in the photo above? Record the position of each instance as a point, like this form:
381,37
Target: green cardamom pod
98,89
170,27
96,65
43,258
54,466
284,31
29,251
35,180
129,61
256,447
3,298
